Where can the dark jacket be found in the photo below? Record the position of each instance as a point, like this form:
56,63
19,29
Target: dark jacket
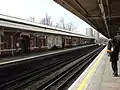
115,45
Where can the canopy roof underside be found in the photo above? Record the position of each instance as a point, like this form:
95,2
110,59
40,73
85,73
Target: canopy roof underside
103,15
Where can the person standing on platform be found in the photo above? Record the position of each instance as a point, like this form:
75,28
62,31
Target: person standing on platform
113,50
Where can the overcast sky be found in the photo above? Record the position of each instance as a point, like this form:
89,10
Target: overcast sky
38,9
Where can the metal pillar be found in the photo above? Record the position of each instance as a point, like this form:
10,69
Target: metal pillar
12,42
0,43
1,34
12,45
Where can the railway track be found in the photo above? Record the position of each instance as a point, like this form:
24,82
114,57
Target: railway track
26,80
59,82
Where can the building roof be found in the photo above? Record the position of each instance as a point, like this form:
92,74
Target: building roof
13,22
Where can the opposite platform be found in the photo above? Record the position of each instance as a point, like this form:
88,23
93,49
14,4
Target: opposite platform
98,76
35,55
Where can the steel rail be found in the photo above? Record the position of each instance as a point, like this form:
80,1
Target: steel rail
48,84
37,74
32,74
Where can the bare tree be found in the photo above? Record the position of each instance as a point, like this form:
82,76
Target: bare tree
61,24
46,20
32,19
68,26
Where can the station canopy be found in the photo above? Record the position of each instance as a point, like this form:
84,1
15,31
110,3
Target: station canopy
103,15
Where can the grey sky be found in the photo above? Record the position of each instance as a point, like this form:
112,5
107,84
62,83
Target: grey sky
38,8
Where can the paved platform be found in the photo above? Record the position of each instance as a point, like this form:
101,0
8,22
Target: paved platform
35,55
98,76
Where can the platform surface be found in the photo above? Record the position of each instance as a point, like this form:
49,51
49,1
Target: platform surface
38,54
98,76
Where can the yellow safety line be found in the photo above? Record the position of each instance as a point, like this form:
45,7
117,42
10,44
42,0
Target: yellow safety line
84,82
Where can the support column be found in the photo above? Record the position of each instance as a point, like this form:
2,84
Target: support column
0,43
12,45
1,34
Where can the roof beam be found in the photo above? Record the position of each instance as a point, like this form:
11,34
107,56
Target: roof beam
99,17
108,10
100,2
85,11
